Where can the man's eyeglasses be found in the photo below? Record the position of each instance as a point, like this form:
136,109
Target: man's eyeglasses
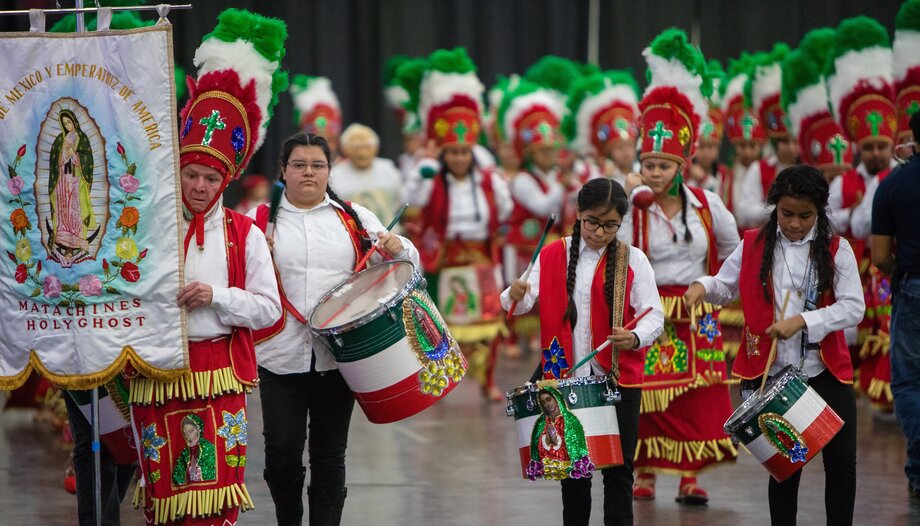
592,225
301,167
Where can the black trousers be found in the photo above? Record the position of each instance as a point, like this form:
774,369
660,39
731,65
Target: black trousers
291,402
618,481
115,478
839,456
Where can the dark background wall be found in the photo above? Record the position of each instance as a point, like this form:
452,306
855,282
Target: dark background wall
350,40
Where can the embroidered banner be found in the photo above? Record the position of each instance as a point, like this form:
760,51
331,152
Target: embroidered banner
90,242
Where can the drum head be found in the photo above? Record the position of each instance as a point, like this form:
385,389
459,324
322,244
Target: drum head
363,296
757,401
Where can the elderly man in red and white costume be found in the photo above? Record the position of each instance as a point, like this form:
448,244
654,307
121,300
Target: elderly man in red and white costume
193,431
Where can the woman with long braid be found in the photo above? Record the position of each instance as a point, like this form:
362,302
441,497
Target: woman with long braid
584,283
684,231
318,238
797,255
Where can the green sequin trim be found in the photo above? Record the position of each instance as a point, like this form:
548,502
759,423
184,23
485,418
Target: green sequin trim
710,355
236,461
155,477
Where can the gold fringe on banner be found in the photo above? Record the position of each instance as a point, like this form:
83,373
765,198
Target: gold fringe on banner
205,384
194,503
678,451
478,332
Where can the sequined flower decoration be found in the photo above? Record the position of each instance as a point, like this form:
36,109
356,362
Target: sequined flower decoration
554,359
234,429
454,367
433,379
884,289
798,453
534,470
238,140
709,328
582,468
152,443
555,469
187,128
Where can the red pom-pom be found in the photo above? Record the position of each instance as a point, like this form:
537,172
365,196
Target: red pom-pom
642,197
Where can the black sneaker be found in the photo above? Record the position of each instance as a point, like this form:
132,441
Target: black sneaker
913,491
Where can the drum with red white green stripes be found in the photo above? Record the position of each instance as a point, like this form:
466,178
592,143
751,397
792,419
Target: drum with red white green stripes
389,341
582,410
786,425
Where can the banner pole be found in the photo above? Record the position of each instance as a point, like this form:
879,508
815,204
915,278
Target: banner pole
97,453
78,10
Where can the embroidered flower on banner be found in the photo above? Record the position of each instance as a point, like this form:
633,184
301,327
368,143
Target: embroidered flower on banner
234,429
152,443
554,359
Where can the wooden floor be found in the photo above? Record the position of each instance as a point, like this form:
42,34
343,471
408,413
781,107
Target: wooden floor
456,464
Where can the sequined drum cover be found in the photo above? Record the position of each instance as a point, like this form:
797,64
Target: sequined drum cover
785,426
566,428
389,341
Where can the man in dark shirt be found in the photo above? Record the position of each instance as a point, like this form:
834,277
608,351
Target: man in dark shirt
896,223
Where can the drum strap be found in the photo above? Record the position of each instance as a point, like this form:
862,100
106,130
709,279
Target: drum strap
620,275
812,296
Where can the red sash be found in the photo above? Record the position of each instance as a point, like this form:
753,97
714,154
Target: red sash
553,303
641,233
726,180
261,221
434,221
758,315
767,176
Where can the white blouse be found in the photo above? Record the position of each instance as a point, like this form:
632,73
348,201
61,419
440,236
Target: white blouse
643,294
790,261
256,307
679,262
313,253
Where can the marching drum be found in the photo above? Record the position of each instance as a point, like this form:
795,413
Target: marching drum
566,428
389,341
786,425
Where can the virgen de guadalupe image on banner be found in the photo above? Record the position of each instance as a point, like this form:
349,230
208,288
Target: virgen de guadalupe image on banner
90,246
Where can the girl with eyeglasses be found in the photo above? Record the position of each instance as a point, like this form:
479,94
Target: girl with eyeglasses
589,285
318,239
685,232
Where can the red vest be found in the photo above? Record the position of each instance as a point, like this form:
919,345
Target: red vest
726,182
854,188
758,315
553,303
261,221
767,175
435,216
242,349
641,234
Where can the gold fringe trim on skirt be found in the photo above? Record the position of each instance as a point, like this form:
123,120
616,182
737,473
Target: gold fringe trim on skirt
675,309
679,451
194,503
731,317
731,348
880,389
478,332
874,344
658,400
526,325
204,384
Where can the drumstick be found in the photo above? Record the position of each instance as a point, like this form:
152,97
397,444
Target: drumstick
345,306
772,354
549,224
693,334
606,343
395,220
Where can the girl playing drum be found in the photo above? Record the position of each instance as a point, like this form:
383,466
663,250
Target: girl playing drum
797,255
317,240
583,282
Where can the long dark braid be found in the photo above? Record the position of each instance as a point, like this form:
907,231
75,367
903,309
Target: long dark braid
688,237
309,139
800,182
601,195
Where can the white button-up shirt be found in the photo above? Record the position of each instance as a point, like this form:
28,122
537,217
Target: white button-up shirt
679,263
642,294
790,262
462,220
256,307
527,192
313,253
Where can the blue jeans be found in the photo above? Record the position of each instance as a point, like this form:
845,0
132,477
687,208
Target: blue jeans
905,369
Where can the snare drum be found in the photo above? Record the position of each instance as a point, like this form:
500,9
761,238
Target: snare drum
785,426
566,428
389,341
